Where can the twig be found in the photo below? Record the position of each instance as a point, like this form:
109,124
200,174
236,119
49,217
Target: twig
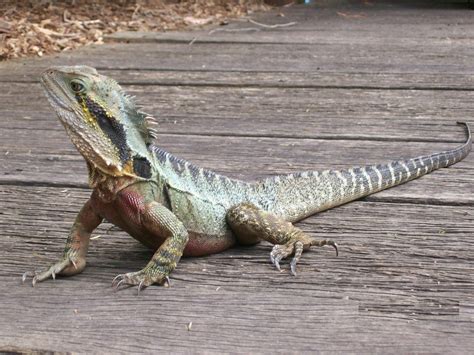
272,26
135,11
192,41
234,29
52,33
86,22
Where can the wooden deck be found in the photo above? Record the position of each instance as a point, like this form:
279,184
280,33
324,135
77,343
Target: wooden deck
350,83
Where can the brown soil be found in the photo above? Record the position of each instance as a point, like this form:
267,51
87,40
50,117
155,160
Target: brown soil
39,27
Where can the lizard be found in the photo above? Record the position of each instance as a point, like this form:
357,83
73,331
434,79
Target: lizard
177,208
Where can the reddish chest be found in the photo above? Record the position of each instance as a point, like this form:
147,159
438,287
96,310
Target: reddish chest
125,211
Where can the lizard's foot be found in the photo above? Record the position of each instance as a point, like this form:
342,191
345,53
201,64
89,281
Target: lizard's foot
282,251
66,267
247,220
143,278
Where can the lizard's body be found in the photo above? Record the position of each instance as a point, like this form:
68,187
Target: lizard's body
179,209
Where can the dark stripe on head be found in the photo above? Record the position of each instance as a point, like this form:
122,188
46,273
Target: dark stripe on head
142,167
110,126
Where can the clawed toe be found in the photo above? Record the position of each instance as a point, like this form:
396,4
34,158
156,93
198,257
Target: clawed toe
299,246
321,243
51,272
280,252
125,280
141,278
27,275
276,263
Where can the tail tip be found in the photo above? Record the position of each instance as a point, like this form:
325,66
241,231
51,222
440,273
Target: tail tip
466,125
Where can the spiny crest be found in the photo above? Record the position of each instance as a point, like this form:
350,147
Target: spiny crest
145,123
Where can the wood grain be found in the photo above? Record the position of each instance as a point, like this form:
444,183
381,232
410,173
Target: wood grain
403,270
421,115
350,83
42,163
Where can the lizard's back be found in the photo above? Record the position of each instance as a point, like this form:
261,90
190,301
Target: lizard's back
201,198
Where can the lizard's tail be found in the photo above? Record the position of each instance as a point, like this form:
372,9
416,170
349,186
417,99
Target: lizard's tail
297,196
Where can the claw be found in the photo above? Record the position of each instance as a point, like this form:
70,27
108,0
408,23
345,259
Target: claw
275,262
293,267
142,279
140,286
118,284
275,257
299,246
115,279
26,275
322,243
50,272
277,265
73,262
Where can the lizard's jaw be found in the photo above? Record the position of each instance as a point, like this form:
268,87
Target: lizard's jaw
90,141
93,155
100,119
55,97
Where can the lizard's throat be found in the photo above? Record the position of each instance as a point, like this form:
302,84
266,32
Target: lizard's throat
107,186
101,158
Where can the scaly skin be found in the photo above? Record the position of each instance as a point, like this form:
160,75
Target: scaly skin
178,209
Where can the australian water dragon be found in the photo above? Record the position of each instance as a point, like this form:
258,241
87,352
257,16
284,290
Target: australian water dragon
179,209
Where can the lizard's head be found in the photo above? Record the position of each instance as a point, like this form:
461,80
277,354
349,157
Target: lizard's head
102,122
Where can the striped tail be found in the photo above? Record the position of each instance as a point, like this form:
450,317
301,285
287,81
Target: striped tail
297,196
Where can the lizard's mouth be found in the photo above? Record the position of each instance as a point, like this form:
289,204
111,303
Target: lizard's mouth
55,93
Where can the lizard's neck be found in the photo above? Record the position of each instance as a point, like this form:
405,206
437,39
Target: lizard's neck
107,186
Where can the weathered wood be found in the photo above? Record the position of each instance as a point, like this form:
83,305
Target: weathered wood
368,35
55,160
404,273
386,40
361,24
390,58
426,115
309,79
331,91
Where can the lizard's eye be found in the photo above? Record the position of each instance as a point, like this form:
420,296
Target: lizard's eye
77,87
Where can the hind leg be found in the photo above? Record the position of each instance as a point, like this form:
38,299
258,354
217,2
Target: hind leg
251,224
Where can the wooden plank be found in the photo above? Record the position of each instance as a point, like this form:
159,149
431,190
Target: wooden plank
330,23
397,129
426,115
438,43
341,14
54,161
388,58
419,59
311,79
372,35
404,273
316,95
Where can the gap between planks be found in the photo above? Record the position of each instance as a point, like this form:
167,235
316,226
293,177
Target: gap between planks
276,86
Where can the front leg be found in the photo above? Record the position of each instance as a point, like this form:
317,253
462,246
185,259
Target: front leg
160,221
73,260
